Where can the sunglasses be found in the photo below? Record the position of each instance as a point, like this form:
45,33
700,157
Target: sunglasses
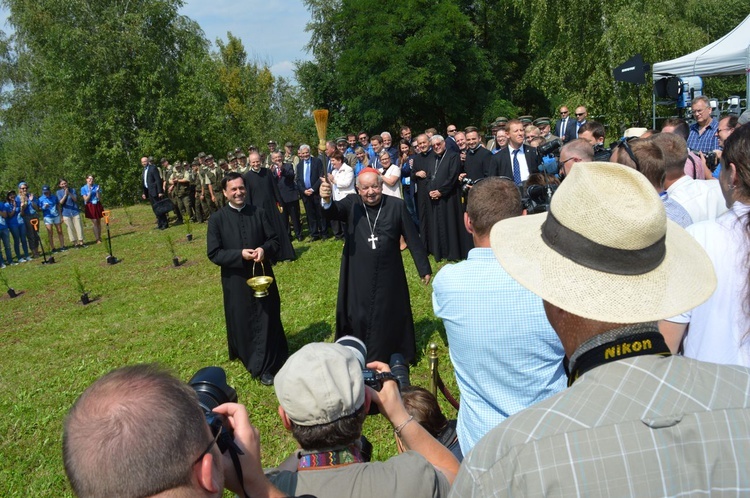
564,112
579,114
216,424
624,143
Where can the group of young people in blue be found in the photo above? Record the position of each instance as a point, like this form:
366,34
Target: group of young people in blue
18,209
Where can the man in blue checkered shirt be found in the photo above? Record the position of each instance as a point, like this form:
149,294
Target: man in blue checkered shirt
505,354
703,132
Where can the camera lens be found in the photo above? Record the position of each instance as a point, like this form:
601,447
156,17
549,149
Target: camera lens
357,346
210,384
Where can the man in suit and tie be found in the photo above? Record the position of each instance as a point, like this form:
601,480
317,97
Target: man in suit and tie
565,127
283,173
309,172
581,115
153,189
516,160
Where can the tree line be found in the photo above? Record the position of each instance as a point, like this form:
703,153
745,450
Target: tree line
88,87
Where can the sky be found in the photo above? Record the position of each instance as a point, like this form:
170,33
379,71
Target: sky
272,31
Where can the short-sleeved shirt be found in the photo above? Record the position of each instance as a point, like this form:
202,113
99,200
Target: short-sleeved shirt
706,142
407,475
93,190
70,208
48,204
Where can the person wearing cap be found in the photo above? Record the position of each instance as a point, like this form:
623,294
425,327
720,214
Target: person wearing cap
17,228
323,401
503,334
289,156
139,431
372,281
634,421
544,125
180,184
197,214
5,234
213,175
50,206
271,149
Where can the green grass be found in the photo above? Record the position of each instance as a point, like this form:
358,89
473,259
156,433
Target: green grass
145,310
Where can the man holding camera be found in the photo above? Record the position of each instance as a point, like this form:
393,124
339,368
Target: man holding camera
323,402
139,431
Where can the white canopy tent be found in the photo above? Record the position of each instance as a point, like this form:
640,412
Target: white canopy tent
728,55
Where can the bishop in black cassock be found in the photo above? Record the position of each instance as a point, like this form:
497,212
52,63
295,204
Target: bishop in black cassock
255,334
373,299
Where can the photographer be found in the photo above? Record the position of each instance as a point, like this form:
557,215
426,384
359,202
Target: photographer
323,402
593,133
139,431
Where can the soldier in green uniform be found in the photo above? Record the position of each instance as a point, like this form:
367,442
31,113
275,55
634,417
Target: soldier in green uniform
213,176
195,192
168,187
180,185
289,156
242,166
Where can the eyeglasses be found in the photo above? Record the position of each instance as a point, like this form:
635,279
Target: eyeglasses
562,163
452,131
723,129
700,111
564,112
580,113
216,424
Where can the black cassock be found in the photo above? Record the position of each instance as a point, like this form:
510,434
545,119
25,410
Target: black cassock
441,220
373,300
263,192
255,334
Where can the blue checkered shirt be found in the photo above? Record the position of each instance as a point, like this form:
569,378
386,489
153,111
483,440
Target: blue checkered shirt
706,142
505,354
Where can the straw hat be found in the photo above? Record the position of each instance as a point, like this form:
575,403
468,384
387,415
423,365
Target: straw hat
610,253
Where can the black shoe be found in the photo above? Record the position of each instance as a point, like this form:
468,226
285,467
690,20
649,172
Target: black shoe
266,379
314,238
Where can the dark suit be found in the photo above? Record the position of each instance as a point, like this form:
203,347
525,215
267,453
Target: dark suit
569,133
153,189
290,195
502,162
451,145
317,225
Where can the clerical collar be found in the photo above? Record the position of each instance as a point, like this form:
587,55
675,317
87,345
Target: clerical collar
473,151
329,459
628,341
255,170
235,207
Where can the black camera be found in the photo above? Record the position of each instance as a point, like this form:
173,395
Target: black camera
552,147
537,198
210,384
466,184
399,368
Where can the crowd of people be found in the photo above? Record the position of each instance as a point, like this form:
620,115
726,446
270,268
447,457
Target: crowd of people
627,378
20,212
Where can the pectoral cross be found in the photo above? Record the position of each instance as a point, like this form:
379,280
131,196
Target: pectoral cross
372,239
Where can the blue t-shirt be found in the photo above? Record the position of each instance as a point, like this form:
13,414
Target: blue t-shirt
85,191
70,208
48,204
15,219
29,209
4,210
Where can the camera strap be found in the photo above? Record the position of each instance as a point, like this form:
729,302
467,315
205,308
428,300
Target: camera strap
329,459
629,346
234,452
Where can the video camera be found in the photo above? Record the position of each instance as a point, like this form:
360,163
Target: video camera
550,148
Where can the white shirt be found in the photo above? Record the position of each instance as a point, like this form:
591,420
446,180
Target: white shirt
343,182
718,331
395,190
522,166
702,199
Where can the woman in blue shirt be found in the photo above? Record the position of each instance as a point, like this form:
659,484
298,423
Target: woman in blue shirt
5,234
71,213
93,206
28,205
17,227
50,206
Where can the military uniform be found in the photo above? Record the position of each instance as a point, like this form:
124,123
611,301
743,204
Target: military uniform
180,186
196,192
213,177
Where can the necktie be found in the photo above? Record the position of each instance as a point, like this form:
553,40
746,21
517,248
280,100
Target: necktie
516,168
307,174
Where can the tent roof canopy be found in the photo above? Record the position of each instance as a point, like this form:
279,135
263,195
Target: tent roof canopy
729,54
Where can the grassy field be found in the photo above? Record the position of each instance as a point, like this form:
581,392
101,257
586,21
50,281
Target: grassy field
146,310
